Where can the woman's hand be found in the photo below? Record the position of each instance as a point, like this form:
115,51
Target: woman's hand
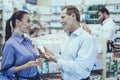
31,63
38,62
85,27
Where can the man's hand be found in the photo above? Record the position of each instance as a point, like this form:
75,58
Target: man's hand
42,53
47,55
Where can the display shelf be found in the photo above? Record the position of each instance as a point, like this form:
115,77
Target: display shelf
102,48
117,23
51,76
91,12
112,4
92,19
115,12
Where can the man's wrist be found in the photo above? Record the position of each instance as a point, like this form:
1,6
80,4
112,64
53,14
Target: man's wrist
54,59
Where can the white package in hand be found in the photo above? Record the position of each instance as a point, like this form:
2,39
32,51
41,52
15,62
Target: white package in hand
43,50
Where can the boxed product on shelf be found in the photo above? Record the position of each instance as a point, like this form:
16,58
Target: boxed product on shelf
53,68
44,10
113,1
95,77
91,2
118,62
44,69
111,78
75,2
58,3
98,65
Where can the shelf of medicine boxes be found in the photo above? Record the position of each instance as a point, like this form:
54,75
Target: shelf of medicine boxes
116,3
115,16
117,22
90,18
89,14
51,21
56,75
100,68
117,46
114,9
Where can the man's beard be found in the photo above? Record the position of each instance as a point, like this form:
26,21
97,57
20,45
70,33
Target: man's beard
101,20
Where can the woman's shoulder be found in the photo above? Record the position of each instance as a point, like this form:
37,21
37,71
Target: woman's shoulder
10,42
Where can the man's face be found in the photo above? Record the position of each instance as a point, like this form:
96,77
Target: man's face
101,17
66,20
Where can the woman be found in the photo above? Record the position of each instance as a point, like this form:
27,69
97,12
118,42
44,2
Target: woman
18,55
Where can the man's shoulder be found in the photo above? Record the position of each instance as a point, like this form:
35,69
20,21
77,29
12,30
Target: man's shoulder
86,35
110,21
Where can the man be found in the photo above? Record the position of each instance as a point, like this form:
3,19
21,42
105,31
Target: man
107,31
79,50
108,26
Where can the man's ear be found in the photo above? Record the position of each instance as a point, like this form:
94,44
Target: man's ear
73,15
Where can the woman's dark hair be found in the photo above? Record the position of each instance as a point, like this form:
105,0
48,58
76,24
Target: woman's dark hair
72,9
11,23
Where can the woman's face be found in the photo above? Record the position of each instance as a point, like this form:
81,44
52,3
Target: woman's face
25,24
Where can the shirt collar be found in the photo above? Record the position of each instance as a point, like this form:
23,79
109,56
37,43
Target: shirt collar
77,32
106,20
17,37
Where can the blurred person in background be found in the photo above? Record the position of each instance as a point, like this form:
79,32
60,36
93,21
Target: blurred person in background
107,30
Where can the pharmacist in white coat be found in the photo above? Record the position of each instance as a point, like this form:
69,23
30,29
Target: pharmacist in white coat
108,26
107,30
78,53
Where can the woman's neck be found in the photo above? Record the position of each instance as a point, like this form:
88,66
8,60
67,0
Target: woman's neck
19,32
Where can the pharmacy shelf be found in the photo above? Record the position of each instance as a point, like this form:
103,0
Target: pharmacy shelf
92,19
115,12
112,4
92,12
51,76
